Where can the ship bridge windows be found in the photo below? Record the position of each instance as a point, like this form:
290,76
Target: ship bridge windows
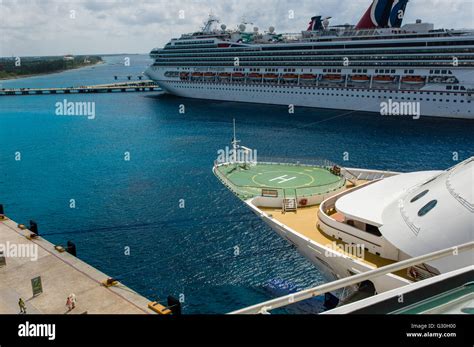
427,208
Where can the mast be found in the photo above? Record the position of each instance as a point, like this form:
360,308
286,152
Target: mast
235,143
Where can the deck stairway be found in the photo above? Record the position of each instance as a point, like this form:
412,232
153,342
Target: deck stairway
290,200
290,204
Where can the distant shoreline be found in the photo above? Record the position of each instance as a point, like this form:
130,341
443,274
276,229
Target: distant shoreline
48,73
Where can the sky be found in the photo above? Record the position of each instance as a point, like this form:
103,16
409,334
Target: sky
58,27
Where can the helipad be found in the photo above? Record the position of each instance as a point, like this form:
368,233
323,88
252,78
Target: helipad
287,179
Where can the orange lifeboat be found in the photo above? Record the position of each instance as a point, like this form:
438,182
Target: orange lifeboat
255,76
224,75
196,75
270,76
413,80
307,77
333,78
290,77
237,75
209,75
360,78
383,79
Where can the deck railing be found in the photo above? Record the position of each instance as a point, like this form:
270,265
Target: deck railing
286,300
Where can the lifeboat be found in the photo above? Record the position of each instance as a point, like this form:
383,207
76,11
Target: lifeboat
209,75
184,75
413,80
333,78
270,77
290,77
308,77
237,75
360,78
383,79
255,76
196,75
224,75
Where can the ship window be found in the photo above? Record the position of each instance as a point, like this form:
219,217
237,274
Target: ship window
427,208
419,196
372,229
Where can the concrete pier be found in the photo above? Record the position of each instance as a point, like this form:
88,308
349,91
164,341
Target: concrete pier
61,274
139,86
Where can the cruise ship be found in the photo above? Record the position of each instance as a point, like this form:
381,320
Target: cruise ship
348,221
377,65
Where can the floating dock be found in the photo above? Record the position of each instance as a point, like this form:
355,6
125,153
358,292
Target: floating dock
61,274
138,86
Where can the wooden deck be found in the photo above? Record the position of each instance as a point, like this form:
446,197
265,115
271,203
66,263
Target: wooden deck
305,221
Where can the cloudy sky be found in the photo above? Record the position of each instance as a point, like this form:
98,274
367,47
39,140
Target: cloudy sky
56,27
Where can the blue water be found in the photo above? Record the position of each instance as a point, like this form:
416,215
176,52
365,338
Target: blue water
135,203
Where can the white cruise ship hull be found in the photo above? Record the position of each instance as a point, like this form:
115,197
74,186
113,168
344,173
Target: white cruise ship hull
432,103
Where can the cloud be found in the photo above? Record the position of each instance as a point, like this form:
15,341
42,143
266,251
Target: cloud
47,27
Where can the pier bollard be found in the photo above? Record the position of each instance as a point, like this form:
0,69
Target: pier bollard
174,305
33,227
2,212
71,248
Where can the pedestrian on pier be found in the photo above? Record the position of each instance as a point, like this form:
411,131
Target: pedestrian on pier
71,301
22,305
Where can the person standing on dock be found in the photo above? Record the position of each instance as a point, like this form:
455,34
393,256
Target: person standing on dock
22,305
71,302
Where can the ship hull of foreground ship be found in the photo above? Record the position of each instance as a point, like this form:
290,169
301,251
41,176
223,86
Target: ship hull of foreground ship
356,220
413,103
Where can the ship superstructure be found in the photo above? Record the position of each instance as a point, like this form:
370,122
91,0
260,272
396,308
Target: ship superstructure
353,67
348,221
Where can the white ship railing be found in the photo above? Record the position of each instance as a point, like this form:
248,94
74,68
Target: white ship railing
290,299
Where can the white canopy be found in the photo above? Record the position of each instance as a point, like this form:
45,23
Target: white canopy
442,217
368,203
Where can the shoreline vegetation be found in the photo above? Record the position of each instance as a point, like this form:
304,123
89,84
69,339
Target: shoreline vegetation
22,67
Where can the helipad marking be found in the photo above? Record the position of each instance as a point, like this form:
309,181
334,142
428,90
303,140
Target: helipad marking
282,179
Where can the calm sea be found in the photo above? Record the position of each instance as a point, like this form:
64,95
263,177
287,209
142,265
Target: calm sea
186,251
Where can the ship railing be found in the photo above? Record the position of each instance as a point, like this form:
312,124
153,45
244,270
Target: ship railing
265,307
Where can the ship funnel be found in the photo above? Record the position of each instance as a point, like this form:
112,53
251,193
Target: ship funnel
397,13
377,15
315,24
